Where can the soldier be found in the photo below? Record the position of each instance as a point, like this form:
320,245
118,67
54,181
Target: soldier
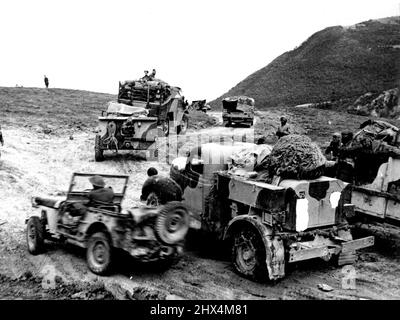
146,76
1,137
165,188
283,129
152,172
153,74
99,193
333,148
46,81
345,165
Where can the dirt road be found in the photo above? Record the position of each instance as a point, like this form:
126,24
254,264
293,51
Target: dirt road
35,163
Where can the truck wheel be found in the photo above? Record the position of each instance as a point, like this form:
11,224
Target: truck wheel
172,223
248,254
153,200
98,253
98,152
35,235
183,125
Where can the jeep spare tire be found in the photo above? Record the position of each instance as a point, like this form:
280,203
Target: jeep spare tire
172,223
35,235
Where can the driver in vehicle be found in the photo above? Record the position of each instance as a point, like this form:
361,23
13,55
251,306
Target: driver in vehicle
100,193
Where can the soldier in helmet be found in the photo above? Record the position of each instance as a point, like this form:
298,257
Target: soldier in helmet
100,193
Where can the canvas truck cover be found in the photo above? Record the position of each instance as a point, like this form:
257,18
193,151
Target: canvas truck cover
238,103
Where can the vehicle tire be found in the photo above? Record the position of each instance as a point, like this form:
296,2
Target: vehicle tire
99,253
172,223
183,126
227,123
248,254
98,152
35,235
153,200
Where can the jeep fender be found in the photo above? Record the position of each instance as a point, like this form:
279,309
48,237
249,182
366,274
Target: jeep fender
274,248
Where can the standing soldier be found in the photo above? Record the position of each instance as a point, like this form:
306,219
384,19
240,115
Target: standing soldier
1,137
153,74
333,149
46,81
283,129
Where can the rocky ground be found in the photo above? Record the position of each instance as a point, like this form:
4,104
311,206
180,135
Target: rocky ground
39,162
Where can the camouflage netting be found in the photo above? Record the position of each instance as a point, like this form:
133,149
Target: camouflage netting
293,157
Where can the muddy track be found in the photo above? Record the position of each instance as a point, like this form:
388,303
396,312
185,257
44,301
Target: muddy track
34,163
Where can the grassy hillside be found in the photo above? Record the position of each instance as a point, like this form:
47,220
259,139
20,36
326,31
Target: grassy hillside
52,108
334,63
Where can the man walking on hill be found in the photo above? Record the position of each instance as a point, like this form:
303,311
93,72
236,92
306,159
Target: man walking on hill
46,81
1,139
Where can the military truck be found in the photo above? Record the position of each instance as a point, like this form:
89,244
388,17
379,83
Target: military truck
144,111
373,160
238,110
266,225
147,234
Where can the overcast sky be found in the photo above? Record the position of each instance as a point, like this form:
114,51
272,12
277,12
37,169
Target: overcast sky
204,46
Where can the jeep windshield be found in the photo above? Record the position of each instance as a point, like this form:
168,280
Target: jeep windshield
80,183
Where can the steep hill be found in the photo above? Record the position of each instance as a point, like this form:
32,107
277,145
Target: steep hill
337,62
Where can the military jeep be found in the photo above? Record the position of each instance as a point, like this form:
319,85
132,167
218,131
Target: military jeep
148,234
144,111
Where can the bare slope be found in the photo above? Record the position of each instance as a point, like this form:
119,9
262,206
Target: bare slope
337,62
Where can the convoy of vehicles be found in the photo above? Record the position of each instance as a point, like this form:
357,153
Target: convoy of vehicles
147,234
267,226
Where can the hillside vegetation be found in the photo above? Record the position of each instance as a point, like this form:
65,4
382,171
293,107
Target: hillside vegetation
335,63
51,108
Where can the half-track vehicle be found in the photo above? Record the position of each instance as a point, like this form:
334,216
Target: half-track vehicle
267,225
238,110
144,111
148,234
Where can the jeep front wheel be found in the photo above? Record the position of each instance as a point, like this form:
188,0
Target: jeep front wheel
35,235
98,254
248,254
98,151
